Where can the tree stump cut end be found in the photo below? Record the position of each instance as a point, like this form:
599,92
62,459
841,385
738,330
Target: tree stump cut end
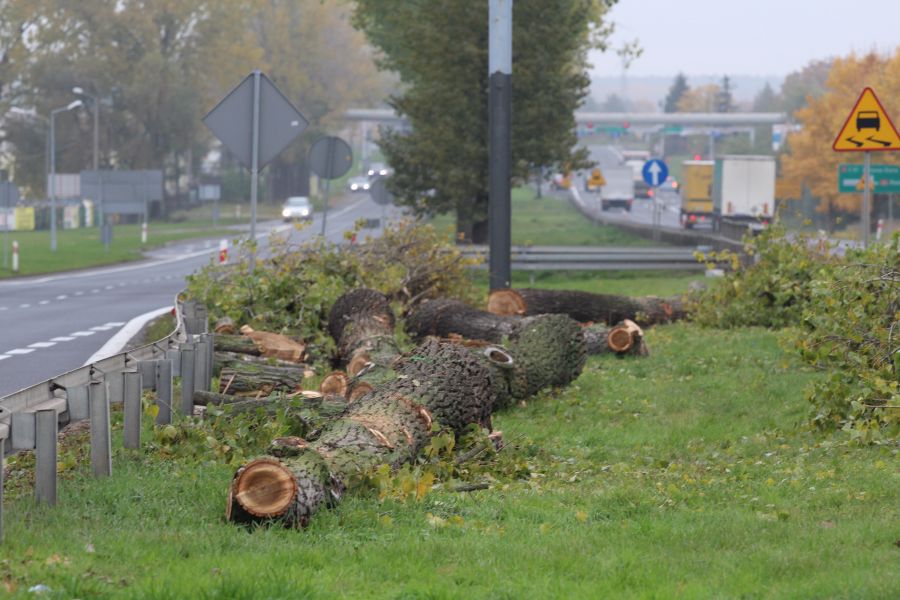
265,488
506,303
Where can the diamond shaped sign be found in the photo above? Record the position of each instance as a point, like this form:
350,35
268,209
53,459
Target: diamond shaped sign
232,121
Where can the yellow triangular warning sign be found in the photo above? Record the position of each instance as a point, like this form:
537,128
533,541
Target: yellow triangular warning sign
868,128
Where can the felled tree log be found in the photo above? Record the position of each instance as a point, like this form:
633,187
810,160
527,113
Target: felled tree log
225,326
362,324
548,350
623,339
236,343
238,360
391,424
449,318
586,307
250,379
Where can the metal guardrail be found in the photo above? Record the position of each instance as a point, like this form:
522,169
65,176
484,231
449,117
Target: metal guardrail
596,258
30,419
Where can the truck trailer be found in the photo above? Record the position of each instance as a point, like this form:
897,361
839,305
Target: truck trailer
697,192
744,189
618,190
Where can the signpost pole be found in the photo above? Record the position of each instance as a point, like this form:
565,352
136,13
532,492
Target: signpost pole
254,169
5,223
329,167
866,203
500,155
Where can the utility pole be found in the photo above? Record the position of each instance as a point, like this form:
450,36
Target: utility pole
499,152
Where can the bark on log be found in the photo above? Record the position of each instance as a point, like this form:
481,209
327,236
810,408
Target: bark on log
362,324
225,326
238,360
250,379
388,425
586,307
626,338
235,343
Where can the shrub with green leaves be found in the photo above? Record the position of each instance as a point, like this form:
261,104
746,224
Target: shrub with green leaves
292,291
772,290
850,328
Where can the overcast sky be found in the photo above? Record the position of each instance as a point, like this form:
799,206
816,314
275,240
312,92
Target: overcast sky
746,37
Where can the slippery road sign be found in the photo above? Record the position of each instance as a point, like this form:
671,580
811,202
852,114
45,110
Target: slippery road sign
867,128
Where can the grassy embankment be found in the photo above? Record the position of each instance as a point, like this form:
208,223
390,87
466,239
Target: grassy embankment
685,474
81,248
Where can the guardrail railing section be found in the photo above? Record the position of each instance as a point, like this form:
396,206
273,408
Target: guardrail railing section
31,419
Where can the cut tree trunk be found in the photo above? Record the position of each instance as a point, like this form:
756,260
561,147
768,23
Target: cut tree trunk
626,338
450,318
362,324
388,425
250,379
236,343
586,307
237,360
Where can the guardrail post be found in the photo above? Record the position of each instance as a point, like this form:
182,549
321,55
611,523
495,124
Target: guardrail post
201,362
46,423
2,470
174,355
101,445
187,378
132,426
77,403
164,391
115,388
210,357
147,369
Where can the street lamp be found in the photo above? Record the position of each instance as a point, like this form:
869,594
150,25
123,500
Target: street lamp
70,106
79,91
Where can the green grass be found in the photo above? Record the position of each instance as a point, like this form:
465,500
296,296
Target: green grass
552,221
686,474
81,248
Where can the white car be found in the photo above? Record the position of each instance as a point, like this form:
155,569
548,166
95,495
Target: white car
378,170
297,207
359,184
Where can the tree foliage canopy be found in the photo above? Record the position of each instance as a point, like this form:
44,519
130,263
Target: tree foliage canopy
440,51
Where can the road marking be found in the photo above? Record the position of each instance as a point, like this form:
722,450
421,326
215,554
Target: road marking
117,342
115,323
24,306
4,308
82,333
20,351
41,344
4,356
62,338
61,297
79,293
43,302
109,287
95,291
101,328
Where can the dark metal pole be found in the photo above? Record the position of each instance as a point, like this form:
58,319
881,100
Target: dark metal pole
254,168
52,181
500,154
866,203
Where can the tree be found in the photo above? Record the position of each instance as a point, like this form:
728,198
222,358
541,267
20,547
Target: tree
766,100
800,86
724,101
439,49
698,99
613,103
810,160
676,92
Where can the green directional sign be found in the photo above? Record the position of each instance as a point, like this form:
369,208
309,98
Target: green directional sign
886,178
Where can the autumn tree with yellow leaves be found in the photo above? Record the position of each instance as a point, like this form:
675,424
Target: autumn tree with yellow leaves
810,161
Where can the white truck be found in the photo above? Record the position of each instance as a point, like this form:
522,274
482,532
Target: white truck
618,191
744,189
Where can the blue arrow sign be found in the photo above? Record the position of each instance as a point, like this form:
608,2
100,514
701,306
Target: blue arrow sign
655,172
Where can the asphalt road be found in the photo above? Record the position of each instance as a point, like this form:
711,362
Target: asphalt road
52,324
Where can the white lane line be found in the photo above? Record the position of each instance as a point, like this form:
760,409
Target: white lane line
131,329
79,293
109,287
95,291
4,356
101,328
4,308
62,338
82,333
115,323
41,344
24,306
61,297
43,302
121,285
20,351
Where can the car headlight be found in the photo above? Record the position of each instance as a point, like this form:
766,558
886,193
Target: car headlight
383,172
366,186
354,187
304,211
286,212
371,172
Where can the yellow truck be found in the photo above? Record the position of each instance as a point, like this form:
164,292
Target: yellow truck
697,193
595,181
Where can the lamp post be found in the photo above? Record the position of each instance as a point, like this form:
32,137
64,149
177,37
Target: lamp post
30,114
70,106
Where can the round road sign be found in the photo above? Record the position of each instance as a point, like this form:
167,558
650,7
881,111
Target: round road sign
379,192
330,157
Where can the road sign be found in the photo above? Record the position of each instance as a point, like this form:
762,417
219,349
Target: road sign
379,192
885,178
867,128
655,172
232,121
330,157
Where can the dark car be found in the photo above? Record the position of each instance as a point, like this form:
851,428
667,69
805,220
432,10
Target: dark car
868,119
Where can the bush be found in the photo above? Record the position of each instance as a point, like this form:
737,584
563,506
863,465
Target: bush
850,328
772,291
292,291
